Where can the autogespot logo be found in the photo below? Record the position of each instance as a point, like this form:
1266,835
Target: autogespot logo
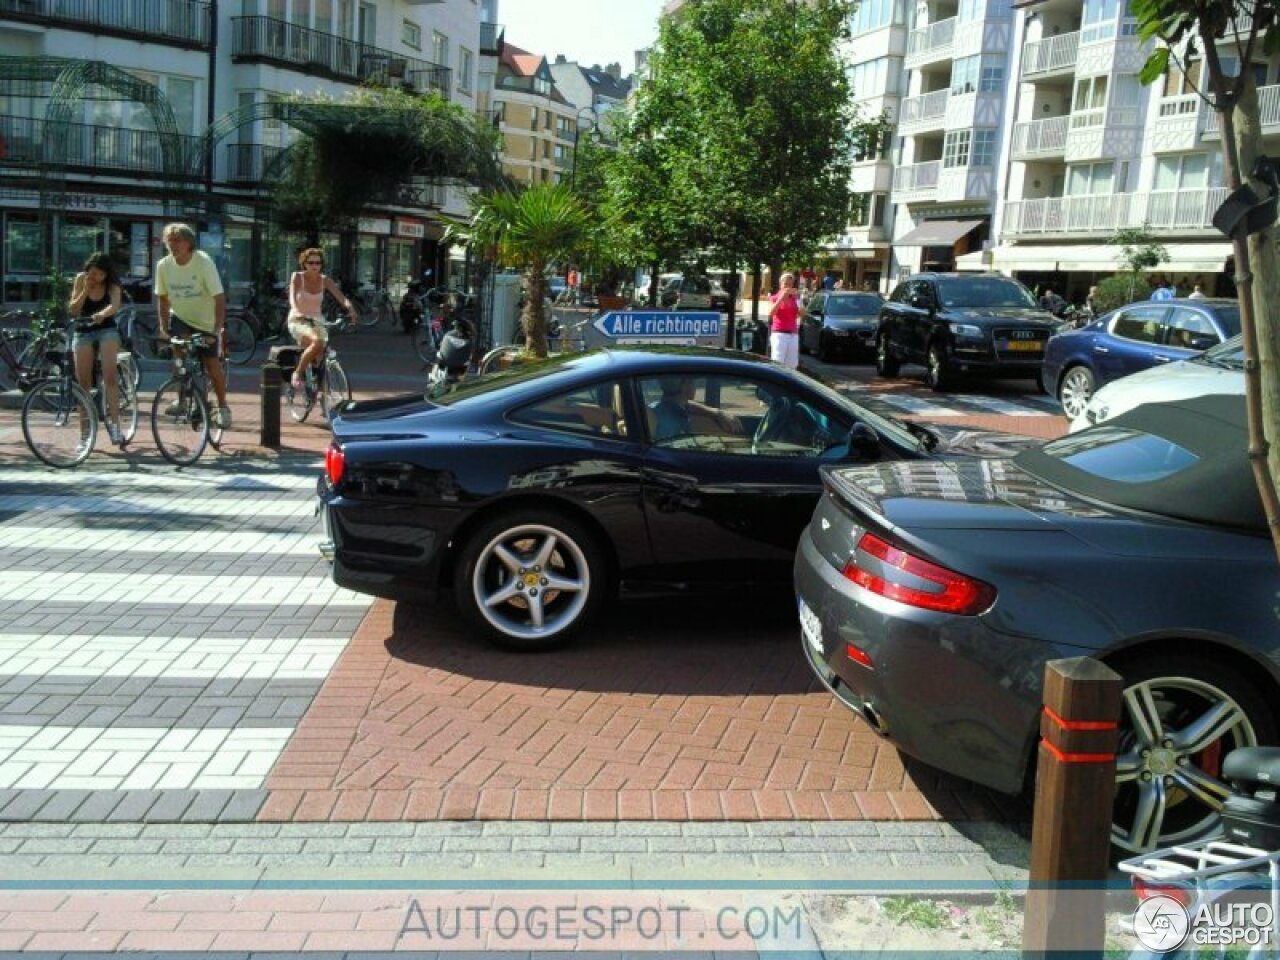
1161,924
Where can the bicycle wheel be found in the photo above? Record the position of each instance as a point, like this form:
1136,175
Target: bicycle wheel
242,343
337,389
129,370
180,422
369,313
128,399
424,342
16,346
301,402
211,404
59,423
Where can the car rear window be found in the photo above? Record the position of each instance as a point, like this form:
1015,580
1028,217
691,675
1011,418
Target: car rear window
1122,456
857,304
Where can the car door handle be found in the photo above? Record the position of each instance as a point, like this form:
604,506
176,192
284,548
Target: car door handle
1159,358
1097,349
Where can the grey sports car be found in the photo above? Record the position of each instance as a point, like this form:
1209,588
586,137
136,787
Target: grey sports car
931,594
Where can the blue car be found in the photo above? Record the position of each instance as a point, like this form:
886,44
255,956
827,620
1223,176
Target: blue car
1133,338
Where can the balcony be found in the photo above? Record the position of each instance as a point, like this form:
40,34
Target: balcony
1053,56
871,176
1167,210
1040,139
109,151
916,178
1178,124
1268,113
268,40
931,43
492,36
249,162
178,23
925,112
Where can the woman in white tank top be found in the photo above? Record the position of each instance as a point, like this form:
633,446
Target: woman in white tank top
306,299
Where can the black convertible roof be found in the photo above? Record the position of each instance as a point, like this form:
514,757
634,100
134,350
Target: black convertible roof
1218,488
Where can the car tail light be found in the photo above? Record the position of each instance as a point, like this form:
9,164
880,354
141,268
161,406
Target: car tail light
943,590
335,462
1145,889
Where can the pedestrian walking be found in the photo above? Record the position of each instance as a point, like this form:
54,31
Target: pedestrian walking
785,313
95,300
190,299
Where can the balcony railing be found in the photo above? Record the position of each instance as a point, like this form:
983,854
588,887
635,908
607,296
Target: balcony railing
917,176
97,149
1105,213
1104,117
1041,137
1050,54
268,40
249,162
928,106
932,38
492,36
181,23
1268,110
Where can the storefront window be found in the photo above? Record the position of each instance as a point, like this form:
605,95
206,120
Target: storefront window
21,258
239,243
400,265
78,239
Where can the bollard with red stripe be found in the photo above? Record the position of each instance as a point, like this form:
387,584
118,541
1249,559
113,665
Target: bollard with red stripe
1071,825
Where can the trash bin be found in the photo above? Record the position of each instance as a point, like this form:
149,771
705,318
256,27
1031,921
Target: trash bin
745,338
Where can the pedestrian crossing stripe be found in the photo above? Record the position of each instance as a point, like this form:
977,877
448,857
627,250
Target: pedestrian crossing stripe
243,543
151,505
300,478
181,589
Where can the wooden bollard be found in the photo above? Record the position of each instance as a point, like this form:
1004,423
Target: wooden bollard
269,392
1071,825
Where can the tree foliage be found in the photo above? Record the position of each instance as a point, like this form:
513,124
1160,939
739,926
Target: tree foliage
1113,292
740,143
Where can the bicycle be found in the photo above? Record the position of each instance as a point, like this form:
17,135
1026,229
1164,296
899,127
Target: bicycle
452,305
60,418
16,352
182,420
324,380
376,307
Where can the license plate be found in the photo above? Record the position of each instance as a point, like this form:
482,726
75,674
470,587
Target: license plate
1024,346
811,627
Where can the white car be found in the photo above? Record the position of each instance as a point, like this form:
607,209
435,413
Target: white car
1217,370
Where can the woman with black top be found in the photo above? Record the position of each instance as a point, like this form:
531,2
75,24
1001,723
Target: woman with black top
95,301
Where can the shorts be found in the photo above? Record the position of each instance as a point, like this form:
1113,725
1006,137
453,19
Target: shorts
95,335
784,348
183,331
300,327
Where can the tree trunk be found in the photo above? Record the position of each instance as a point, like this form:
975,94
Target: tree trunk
535,316
1255,258
653,285
756,279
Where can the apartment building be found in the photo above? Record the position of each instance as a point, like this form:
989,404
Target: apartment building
603,89
1092,151
538,123
120,173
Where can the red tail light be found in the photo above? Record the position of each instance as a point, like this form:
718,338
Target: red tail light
335,462
1146,889
954,593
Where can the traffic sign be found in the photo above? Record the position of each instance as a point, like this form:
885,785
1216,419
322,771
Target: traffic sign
652,325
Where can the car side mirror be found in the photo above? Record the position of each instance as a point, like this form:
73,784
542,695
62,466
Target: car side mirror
864,443
1203,342
921,301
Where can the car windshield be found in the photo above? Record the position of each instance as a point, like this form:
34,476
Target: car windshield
1229,354
984,292
857,304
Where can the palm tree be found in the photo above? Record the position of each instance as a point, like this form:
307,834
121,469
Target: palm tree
529,230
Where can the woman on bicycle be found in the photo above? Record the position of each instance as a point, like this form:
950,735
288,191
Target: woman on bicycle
95,301
306,318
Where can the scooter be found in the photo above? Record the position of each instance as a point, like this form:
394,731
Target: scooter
453,357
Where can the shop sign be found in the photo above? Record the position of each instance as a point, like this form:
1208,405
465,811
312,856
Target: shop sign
380,225
415,229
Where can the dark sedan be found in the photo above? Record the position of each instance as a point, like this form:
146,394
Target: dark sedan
535,494
1132,339
959,324
841,324
932,594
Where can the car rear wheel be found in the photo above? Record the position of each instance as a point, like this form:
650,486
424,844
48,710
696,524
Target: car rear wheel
1075,391
1180,717
531,579
887,364
937,374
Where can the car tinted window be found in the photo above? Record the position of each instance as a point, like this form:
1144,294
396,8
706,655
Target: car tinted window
596,410
1122,455
984,292
1190,330
696,285
1228,315
1143,324
856,304
899,294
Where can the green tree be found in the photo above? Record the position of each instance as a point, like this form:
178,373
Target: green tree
1187,28
1139,250
740,145
528,230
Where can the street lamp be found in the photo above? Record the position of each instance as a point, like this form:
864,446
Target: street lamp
593,125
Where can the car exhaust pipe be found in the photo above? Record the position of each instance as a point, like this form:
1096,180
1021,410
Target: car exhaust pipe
873,718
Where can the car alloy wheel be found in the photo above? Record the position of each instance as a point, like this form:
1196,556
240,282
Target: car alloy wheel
937,375
531,580
1179,720
1075,391
886,363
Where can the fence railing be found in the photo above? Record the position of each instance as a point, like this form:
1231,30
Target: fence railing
1268,109
1052,53
917,176
1105,213
1041,136
249,162
101,149
183,23
927,106
931,38
327,54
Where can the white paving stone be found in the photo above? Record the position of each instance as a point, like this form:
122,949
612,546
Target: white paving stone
300,477
151,505
187,589
183,542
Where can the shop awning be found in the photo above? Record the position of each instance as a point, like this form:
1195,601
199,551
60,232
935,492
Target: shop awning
937,233
980,261
1183,258
1007,258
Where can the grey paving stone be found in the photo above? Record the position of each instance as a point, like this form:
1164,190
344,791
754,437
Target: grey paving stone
615,845
186,846
296,860
449,828
682,845
62,804
561,828
133,846
548,844
170,806
628,828
776,828
331,830
223,861
73,865
516,828
841,844
261,831
716,830
25,805
105,831
405,844
38,829
378,830
927,860
133,805
906,829
473,844
332,845
749,844
267,845
207,805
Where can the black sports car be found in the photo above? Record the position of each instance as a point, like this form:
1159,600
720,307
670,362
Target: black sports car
931,596
537,492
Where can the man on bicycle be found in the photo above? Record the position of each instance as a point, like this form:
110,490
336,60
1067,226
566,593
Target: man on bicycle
189,292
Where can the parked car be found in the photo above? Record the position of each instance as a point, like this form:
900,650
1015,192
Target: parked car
641,295
1219,369
556,287
1133,338
692,292
956,323
841,324
931,595
533,495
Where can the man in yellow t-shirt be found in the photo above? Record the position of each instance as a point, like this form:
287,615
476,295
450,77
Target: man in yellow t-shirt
189,292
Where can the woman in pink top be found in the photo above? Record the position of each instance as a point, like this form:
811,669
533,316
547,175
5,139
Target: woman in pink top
306,309
785,314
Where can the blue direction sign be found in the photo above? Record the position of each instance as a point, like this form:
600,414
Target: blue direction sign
660,324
